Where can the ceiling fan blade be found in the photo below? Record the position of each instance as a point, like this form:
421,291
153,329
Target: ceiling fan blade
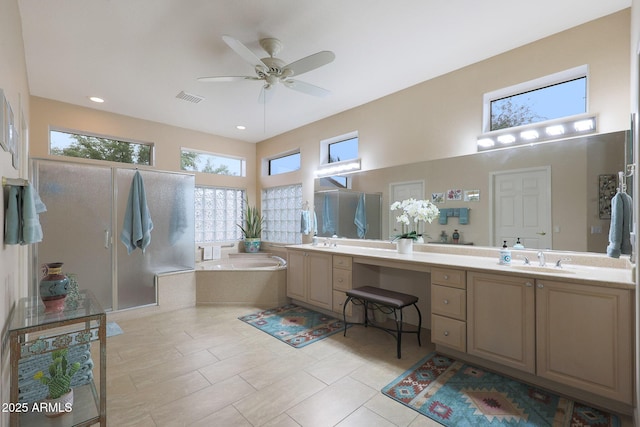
244,52
266,94
307,88
226,78
311,62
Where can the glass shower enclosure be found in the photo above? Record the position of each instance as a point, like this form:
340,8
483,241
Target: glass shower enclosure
82,225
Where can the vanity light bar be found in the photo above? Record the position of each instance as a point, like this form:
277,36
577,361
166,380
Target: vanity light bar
539,132
338,168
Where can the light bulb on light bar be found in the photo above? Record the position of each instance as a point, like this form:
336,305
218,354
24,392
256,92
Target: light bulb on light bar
337,168
583,125
529,134
555,130
506,139
485,142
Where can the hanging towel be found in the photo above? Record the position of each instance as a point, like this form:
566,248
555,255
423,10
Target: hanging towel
463,218
31,228
12,216
22,221
306,226
360,219
315,224
443,218
620,229
137,225
327,217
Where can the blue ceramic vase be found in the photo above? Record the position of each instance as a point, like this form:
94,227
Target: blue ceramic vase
54,287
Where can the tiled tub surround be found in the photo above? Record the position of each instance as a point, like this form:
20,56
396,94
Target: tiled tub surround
515,319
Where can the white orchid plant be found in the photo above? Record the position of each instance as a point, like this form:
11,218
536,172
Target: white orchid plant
413,212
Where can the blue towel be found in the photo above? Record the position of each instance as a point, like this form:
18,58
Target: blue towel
327,217
22,222
442,219
12,216
137,225
360,219
306,225
619,232
463,219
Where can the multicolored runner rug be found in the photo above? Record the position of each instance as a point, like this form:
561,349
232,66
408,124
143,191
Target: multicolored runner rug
294,325
457,394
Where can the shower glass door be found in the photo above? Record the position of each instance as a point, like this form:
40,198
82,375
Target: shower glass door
77,224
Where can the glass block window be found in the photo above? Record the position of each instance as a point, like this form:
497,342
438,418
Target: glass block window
281,207
218,212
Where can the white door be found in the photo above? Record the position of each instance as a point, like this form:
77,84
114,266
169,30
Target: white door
399,191
522,207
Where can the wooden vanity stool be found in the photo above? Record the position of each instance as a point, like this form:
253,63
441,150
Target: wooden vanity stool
386,301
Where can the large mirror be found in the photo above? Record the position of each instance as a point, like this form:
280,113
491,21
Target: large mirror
554,195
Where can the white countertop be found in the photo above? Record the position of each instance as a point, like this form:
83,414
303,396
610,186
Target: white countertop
424,260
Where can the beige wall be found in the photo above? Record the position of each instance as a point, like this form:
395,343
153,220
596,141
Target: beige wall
168,140
13,81
442,117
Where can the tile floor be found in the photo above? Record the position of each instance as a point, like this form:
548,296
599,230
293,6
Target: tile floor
203,367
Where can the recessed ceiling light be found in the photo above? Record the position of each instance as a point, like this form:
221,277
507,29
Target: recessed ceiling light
96,99
240,127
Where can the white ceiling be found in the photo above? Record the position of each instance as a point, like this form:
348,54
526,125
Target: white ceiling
139,54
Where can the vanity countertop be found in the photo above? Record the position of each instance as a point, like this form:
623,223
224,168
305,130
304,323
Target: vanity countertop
424,260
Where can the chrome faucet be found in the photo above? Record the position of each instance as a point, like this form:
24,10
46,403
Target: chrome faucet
541,259
559,262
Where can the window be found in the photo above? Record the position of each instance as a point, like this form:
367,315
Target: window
551,97
218,212
339,148
281,208
200,161
284,164
99,148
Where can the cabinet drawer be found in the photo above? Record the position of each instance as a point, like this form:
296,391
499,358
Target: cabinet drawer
449,332
340,261
338,303
449,277
341,279
450,302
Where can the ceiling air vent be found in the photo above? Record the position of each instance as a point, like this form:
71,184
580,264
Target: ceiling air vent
189,97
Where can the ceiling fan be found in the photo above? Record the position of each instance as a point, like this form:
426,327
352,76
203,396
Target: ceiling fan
272,70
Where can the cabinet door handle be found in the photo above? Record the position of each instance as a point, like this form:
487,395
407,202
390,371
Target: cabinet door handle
446,301
540,286
446,333
528,284
340,280
446,277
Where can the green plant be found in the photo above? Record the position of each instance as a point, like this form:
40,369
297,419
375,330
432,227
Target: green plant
60,373
253,221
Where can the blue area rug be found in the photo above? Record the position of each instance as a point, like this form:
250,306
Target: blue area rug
457,394
294,325
113,329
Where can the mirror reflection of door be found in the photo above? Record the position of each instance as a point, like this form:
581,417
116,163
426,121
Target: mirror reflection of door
522,207
399,191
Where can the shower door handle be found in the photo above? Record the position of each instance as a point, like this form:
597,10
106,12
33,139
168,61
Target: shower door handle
107,239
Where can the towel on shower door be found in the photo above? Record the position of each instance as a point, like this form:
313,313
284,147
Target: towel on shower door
360,219
137,225
620,230
327,217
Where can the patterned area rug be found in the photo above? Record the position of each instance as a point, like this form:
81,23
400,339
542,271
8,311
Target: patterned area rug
456,394
294,325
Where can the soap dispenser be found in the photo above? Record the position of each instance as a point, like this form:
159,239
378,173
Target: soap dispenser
518,245
505,255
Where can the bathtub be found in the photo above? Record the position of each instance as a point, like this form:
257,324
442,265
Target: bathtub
247,279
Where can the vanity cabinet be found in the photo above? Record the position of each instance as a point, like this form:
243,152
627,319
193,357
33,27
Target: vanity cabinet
342,274
309,278
584,337
448,308
501,319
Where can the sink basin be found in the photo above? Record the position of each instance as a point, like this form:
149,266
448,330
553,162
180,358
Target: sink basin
545,269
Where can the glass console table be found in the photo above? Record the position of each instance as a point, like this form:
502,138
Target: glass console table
34,332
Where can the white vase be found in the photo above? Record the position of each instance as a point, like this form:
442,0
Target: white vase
405,246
